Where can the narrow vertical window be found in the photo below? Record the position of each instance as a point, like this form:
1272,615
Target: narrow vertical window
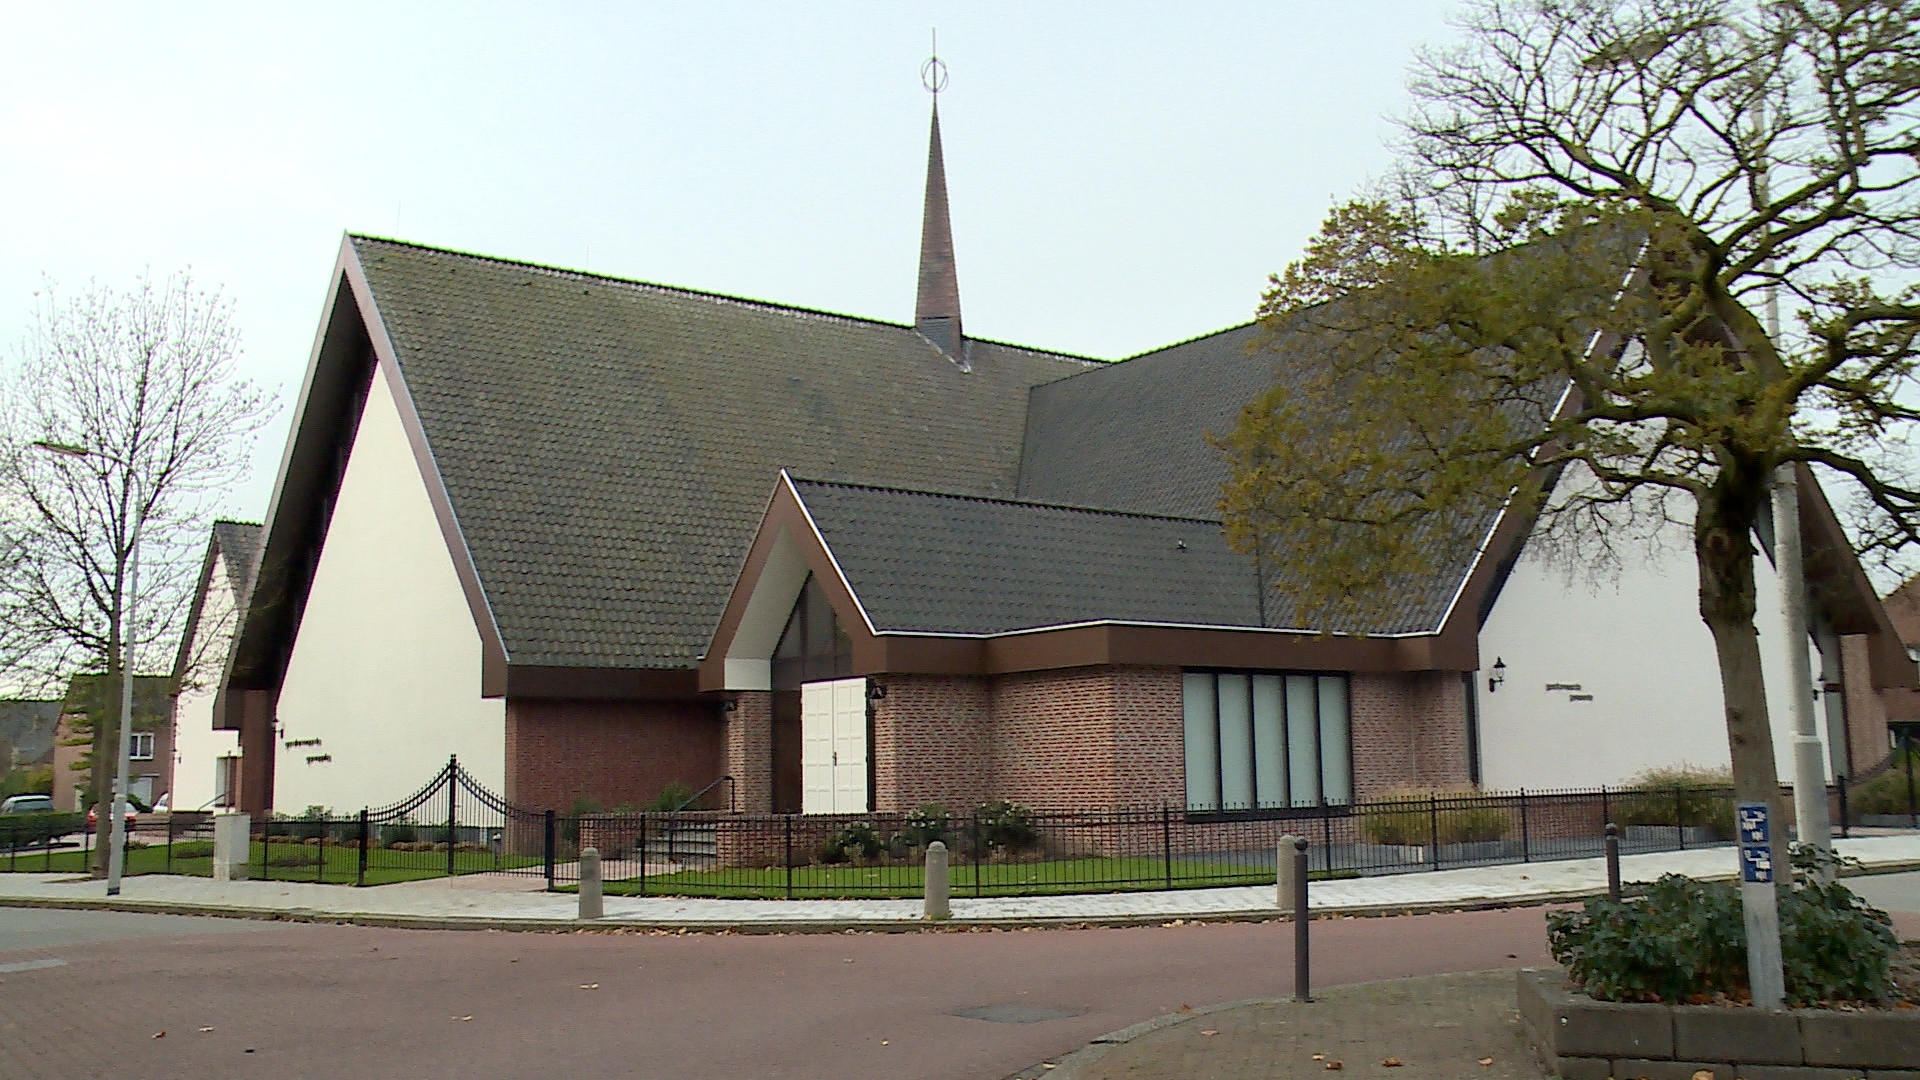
1269,741
1203,743
1235,705
1303,741
1336,758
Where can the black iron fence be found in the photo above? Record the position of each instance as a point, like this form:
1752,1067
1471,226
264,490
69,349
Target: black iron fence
454,825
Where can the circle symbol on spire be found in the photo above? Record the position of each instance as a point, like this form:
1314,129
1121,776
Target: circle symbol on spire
933,75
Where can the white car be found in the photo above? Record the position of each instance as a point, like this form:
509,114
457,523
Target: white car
27,804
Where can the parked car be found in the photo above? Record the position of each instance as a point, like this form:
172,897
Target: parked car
93,818
27,804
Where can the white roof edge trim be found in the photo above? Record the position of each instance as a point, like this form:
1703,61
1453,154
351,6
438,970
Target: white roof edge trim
1289,631
838,570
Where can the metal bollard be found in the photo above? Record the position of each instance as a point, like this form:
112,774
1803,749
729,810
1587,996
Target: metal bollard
937,882
1613,862
590,904
1283,869
1301,917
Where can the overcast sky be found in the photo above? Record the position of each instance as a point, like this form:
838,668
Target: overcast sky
1122,175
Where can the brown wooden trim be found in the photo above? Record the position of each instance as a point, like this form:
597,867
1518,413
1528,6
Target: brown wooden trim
1837,585
601,684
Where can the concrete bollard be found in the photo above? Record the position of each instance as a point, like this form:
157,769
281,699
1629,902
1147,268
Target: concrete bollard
937,882
231,833
590,904
1283,883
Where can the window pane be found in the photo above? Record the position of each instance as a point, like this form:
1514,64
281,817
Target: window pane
1269,741
1203,745
1236,742
1303,744
1336,757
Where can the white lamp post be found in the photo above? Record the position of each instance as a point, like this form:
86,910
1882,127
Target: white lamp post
117,851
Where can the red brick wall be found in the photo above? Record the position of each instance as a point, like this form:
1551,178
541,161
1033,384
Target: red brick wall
611,752
1151,737
930,742
1866,713
1054,738
749,751
1409,730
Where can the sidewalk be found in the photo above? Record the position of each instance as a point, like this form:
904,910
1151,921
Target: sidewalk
1437,1027
500,902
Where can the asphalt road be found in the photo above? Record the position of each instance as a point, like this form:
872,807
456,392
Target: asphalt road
285,1001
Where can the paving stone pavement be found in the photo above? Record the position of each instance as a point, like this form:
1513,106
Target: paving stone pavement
468,902
1437,1027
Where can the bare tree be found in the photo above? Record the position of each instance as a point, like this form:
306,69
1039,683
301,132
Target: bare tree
136,394
1720,150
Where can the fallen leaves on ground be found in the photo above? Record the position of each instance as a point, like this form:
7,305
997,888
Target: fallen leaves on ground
1184,1007
463,1018
1211,1031
1335,1066
589,986
204,1030
1486,1061
1391,1063
159,1034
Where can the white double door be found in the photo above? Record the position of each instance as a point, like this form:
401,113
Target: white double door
833,747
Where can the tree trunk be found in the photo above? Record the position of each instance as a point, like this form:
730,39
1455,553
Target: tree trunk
105,713
1723,547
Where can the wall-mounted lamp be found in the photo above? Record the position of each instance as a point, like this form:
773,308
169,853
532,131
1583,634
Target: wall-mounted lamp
1499,675
876,691
731,704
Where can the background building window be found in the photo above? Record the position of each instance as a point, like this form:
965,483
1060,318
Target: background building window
142,746
1266,740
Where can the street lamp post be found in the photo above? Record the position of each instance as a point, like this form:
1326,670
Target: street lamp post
117,850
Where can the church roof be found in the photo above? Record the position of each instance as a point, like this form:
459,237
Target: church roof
606,445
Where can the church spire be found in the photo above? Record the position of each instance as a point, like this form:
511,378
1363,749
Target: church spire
936,313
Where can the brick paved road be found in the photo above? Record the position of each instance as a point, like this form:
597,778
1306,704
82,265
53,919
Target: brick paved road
338,1001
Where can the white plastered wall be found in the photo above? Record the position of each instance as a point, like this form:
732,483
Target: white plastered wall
196,745
1637,645
385,672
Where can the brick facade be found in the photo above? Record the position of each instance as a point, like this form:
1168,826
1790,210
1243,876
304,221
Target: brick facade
932,742
749,751
613,753
1409,731
1867,744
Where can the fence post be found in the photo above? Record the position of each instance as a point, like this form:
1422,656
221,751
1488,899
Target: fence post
1326,835
1913,806
789,857
1302,986
1679,815
169,841
366,841
266,838
1613,862
548,849
643,853
1433,825
1606,809
1166,842
1846,823
453,808
1526,845
320,868
977,854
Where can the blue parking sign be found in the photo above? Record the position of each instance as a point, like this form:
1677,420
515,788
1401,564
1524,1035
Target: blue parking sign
1751,819
1756,865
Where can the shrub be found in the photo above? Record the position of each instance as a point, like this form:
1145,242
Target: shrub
924,825
1675,795
293,856
1685,941
27,830
1886,793
1006,826
397,834
859,841
672,797
1412,816
193,849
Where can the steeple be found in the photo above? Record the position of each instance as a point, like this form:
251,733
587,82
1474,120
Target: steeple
936,313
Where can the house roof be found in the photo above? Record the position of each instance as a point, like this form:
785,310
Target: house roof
152,698
921,562
234,546
28,726
605,445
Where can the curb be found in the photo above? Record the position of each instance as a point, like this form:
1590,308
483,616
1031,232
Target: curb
615,924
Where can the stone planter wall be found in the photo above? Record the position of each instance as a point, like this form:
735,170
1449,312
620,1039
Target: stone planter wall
1579,1038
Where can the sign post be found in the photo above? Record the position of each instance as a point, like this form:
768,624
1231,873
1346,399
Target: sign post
1760,907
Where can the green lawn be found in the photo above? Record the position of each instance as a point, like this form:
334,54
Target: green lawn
1052,877
383,866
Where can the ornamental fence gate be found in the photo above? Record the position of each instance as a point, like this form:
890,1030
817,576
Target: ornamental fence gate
455,825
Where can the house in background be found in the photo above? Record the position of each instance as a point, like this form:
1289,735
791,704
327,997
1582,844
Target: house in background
598,536
26,733
150,761
206,760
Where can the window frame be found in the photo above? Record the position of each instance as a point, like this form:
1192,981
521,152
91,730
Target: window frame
133,746
1319,808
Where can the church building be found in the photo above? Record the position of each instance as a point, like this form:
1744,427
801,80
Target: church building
598,537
